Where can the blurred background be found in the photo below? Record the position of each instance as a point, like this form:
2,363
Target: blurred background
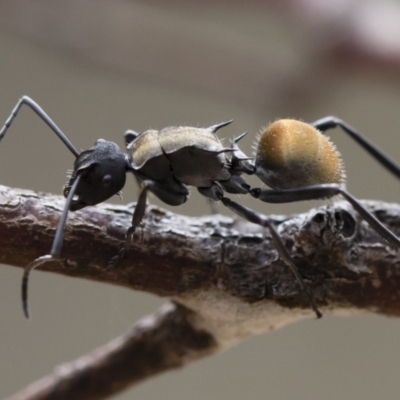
99,67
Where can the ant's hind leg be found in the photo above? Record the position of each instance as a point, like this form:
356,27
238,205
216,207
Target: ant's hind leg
324,191
330,122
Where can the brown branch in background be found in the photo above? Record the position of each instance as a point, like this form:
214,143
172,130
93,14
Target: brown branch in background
226,273
156,344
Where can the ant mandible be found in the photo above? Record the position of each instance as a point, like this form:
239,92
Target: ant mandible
293,158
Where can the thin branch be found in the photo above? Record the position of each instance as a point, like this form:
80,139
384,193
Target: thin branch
174,255
226,272
156,344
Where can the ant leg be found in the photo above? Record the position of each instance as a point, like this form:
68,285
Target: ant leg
256,218
324,191
173,195
42,114
137,217
212,194
213,206
330,122
55,248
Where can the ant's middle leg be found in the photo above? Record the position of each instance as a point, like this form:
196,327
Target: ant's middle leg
259,219
215,192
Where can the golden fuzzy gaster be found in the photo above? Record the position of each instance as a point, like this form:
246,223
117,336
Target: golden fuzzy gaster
292,154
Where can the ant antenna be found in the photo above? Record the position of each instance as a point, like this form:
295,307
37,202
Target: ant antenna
42,115
55,249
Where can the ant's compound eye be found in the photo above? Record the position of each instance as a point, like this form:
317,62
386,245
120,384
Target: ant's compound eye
107,180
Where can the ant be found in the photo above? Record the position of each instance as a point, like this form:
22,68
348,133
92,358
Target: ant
293,158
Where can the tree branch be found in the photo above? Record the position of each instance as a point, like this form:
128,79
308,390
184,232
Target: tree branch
156,344
225,274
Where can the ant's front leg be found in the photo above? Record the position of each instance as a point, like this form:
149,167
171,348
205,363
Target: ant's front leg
137,217
173,194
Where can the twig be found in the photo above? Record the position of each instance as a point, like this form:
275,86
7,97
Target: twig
225,274
156,344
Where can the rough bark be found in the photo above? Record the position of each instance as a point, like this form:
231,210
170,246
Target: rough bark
224,277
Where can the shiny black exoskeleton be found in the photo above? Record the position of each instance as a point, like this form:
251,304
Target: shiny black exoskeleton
295,159
166,161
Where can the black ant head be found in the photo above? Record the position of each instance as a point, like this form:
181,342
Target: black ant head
103,173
